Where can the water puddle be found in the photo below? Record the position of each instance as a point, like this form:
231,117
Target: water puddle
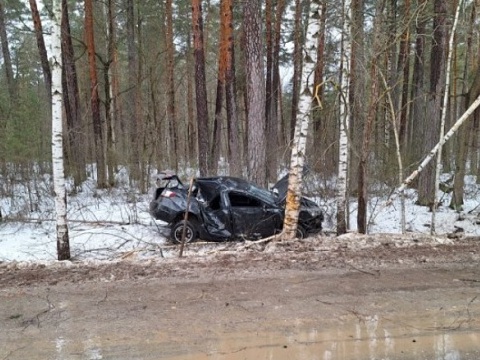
431,334
359,338
370,339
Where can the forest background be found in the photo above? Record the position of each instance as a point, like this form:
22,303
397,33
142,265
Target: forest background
213,86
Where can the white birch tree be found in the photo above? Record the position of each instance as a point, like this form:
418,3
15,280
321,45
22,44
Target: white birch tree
444,115
342,179
63,245
435,149
304,112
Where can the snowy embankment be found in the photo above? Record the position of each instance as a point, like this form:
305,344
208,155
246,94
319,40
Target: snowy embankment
111,224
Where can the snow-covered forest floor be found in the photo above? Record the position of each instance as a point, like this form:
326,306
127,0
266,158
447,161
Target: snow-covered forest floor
109,224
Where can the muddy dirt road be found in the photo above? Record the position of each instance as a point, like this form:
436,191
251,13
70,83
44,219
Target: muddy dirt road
377,298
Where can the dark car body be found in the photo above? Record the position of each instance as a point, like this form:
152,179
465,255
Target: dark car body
227,208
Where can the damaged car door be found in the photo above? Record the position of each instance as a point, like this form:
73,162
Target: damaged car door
251,217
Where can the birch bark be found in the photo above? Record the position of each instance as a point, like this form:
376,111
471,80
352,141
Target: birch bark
444,115
434,151
297,161
63,246
342,180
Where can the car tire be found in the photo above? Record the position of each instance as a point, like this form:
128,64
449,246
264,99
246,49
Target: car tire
191,232
301,232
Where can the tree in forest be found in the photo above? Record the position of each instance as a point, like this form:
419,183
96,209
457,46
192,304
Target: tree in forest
344,120
111,87
234,151
63,245
467,132
319,123
295,179
221,77
256,147
171,101
200,88
370,119
297,67
426,180
76,162
135,118
273,87
94,97
417,114
7,61
47,75
226,87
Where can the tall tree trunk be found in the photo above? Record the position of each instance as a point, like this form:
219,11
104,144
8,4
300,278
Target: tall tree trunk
200,88
63,244
277,113
403,68
319,123
465,133
47,75
7,61
426,180
234,151
342,179
297,66
111,90
356,94
171,101
371,116
217,121
256,147
417,115
94,98
71,101
270,120
444,107
295,180
191,126
133,98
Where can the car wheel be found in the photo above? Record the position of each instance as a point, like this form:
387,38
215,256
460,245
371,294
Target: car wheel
301,232
191,232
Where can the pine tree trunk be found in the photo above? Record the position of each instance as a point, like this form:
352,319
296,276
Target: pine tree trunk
200,88
319,123
94,98
297,67
71,101
403,68
256,147
371,116
47,75
426,180
234,152
464,134
417,114
172,146
7,61
111,90
192,127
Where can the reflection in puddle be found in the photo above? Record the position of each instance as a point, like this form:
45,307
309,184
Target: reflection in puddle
351,337
368,338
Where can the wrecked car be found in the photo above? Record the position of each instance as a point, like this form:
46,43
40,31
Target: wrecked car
226,208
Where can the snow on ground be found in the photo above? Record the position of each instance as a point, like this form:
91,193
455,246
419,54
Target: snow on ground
110,224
